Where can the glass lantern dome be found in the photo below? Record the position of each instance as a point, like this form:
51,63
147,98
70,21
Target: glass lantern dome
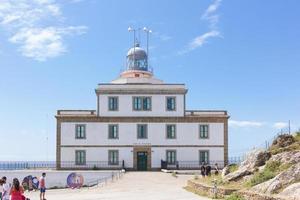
137,59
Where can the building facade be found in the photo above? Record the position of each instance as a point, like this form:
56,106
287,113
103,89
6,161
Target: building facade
141,123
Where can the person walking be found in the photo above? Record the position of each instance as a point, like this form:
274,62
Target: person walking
42,186
17,191
5,189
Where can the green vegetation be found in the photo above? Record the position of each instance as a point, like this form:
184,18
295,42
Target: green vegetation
260,177
234,196
293,147
210,181
174,174
196,177
271,169
233,167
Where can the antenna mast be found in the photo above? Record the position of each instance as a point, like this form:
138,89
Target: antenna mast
147,32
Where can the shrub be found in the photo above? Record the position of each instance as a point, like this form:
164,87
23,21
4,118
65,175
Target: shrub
174,174
260,177
234,196
272,166
233,168
196,177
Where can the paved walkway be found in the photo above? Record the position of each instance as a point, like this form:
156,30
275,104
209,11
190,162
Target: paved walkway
132,186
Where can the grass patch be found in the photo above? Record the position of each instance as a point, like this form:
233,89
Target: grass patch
260,177
271,169
210,182
234,196
233,168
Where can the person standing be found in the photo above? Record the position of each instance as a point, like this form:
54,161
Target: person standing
202,170
216,169
1,188
17,191
42,186
5,189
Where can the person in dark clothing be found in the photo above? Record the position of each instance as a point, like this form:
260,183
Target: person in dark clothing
208,170
202,170
216,169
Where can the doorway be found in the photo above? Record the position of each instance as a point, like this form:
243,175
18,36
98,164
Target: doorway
142,160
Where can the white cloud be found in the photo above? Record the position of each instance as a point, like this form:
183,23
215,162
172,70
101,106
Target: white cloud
43,43
244,124
210,13
200,40
37,26
211,16
280,125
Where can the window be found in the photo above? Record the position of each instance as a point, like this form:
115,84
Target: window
142,103
113,103
204,157
171,157
171,131
113,157
203,129
171,103
80,131
80,157
113,131
142,131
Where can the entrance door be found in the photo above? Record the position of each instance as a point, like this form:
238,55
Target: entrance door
141,161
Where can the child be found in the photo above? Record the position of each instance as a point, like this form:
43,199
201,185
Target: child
42,186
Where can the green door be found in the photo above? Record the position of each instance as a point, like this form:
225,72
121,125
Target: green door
141,161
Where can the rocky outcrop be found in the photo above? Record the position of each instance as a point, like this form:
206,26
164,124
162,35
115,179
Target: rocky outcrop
253,160
283,141
282,180
292,191
225,171
289,157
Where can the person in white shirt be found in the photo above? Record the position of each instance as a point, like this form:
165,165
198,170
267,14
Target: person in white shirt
5,189
1,188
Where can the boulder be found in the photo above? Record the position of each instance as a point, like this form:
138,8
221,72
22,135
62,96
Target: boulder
253,160
292,191
288,157
225,171
282,180
283,141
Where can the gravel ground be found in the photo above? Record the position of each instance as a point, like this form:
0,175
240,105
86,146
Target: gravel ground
132,186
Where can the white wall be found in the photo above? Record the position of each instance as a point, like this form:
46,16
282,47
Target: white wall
158,103
98,154
55,178
158,154
186,134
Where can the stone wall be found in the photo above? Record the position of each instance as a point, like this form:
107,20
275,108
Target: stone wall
257,196
207,190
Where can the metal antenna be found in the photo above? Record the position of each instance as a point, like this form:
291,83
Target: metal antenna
147,32
134,40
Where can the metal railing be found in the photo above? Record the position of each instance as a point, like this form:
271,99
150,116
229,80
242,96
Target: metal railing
114,176
93,165
190,165
96,165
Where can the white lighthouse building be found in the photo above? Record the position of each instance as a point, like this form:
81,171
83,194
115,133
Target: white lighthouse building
140,123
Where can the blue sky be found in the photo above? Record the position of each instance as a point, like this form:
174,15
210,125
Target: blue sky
241,56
